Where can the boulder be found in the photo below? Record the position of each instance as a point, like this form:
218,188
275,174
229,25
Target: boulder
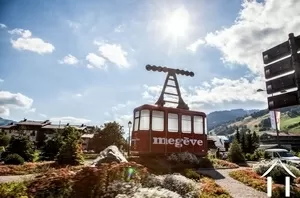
108,155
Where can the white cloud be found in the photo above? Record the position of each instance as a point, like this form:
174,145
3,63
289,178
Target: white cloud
2,26
43,115
259,26
10,101
114,53
71,120
194,46
1,80
74,25
95,61
26,42
78,95
218,94
4,111
69,59
120,28
118,107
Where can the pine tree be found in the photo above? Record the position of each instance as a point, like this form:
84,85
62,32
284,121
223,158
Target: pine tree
255,140
243,143
237,135
250,143
235,153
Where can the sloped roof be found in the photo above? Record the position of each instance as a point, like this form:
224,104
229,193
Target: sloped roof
33,122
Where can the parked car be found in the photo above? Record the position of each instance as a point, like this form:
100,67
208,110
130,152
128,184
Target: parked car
284,155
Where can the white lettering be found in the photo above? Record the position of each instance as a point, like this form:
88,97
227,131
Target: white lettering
171,141
159,140
193,142
178,142
200,142
186,141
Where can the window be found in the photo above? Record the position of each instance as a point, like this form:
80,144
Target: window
136,121
145,121
198,124
172,122
205,125
157,120
186,124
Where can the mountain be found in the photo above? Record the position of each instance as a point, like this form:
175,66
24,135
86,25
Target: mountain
5,121
260,121
220,117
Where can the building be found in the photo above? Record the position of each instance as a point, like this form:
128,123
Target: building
86,138
36,129
289,140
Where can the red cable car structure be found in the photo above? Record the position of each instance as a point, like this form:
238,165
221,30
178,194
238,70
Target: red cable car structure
158,129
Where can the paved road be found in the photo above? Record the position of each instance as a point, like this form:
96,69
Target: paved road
234,187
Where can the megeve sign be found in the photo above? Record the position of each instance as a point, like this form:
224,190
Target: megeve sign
178,142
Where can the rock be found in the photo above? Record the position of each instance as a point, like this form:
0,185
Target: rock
108,155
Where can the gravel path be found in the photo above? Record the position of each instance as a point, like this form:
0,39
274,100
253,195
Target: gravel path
234,187
16,178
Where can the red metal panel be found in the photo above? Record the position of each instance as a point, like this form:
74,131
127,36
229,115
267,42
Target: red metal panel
169,142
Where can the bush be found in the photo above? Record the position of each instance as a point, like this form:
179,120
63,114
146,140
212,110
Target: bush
70,154
192,174
184,157
278,173
4,140
235,153
224,164
205,163
22,146
13,189
14,159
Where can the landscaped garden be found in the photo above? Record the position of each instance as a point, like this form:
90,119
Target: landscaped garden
252,177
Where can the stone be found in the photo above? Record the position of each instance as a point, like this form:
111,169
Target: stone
108,155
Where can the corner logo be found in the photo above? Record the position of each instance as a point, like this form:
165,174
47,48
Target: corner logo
287,178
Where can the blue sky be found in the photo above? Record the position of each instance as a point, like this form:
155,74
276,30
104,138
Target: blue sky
84,61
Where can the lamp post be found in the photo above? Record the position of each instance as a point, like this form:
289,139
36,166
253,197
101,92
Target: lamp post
275,117
129,141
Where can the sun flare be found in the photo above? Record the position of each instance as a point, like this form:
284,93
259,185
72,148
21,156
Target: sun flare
177,23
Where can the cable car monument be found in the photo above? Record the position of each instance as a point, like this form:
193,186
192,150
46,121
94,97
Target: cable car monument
158,129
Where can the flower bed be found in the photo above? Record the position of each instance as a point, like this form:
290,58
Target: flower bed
29,168
123,180
252,179
217,163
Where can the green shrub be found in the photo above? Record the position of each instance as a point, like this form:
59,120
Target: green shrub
70,154
14,159
4,140
235,153
192,174
205,163
278,173
22,146
248,156
13,190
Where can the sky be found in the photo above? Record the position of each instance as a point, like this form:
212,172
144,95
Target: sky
84,61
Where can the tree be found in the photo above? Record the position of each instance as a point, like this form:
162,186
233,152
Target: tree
53,146
255,140
250,147
4,140
70,153
235,153
110,134
243,143
22,146
237,135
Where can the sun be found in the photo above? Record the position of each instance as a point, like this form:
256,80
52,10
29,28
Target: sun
177,23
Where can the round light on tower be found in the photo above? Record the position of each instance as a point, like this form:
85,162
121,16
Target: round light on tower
154,68
159,69
192,74
187,73
148,67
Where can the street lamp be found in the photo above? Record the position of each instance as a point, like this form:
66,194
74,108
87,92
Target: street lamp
275,117
129,141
